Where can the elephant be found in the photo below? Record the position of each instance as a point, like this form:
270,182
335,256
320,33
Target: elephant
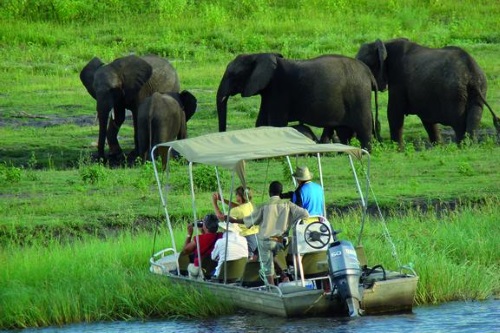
330,91
162,118
124,84
306,131
443,85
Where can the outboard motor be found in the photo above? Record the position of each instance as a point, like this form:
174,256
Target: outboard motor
345,274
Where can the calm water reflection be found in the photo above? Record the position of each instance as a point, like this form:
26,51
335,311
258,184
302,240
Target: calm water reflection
451,317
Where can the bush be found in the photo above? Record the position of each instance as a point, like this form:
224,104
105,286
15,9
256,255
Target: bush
10,174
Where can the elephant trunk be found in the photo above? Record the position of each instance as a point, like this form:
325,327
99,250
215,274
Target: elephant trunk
103,122
222,97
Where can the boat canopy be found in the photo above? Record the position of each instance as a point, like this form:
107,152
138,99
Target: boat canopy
231,149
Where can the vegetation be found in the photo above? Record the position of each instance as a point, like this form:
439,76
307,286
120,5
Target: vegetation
92,226
92,280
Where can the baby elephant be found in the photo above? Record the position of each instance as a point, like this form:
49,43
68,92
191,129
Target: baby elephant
162,118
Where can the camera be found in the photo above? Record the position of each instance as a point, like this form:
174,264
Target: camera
199,224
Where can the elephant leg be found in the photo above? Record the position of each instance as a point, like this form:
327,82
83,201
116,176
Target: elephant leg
395,115
112,133
134,119
396,128
344,134
132,156
261,118
473,120
433,132
364,137
326,136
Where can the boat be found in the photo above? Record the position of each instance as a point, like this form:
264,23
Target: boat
329,276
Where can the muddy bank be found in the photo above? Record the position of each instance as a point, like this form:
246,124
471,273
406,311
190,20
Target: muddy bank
22,118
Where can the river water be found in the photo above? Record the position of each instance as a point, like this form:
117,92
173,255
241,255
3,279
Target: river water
449,317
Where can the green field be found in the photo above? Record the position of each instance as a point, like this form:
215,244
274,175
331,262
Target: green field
441,202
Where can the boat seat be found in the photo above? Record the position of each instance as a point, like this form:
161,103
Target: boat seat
251,276
208,267
310,264
183,261
379,275
360,253
235,269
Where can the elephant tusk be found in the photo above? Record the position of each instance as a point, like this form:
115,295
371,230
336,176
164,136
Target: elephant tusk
113,114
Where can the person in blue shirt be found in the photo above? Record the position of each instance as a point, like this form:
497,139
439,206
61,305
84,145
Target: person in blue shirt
308,194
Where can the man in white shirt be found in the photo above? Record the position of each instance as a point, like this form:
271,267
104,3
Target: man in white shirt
237,247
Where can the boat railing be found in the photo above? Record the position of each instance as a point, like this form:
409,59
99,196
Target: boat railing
407,268
161,263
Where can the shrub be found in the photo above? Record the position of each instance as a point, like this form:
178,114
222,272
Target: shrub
10,174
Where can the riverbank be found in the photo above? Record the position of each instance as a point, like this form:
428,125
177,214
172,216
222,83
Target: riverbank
87,280
75,236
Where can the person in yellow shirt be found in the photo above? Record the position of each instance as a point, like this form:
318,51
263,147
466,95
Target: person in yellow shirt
239,209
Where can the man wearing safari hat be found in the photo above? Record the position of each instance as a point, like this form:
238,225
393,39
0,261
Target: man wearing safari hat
308,195
231,241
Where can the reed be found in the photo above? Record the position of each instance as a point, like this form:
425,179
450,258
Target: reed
91,280
454,253
69,244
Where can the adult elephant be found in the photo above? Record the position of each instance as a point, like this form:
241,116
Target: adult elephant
162,118
331,91
444,86
306,131
124,84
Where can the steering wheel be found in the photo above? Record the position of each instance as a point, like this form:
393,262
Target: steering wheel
317,232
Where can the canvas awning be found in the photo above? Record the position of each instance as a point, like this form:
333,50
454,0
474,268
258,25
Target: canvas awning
231,149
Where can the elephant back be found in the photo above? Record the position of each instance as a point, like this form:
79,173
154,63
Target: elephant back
164,77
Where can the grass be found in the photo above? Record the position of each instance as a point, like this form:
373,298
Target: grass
91,280
455,255
92,225
451,251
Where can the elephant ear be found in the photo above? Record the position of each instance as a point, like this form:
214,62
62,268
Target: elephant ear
382,55
262,73
134,72
87,75
189,103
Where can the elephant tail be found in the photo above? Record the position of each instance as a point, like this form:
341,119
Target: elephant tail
150,131
376,122
496,120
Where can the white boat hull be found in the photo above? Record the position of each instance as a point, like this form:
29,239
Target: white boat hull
389,296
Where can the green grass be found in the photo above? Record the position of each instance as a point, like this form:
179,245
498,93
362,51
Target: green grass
92,280
455,255
93,194
84,218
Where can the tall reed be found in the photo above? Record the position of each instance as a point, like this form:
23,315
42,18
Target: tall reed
455,253
93,280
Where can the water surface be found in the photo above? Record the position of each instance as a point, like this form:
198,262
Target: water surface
446,318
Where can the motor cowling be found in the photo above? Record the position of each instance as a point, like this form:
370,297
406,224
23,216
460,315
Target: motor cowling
345,274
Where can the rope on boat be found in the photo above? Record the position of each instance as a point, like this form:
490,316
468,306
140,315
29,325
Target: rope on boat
385,229
364,203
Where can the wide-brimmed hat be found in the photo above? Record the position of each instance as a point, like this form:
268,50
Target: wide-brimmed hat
302,173
230,227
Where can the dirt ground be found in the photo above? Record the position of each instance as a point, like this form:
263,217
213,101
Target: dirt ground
23,118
